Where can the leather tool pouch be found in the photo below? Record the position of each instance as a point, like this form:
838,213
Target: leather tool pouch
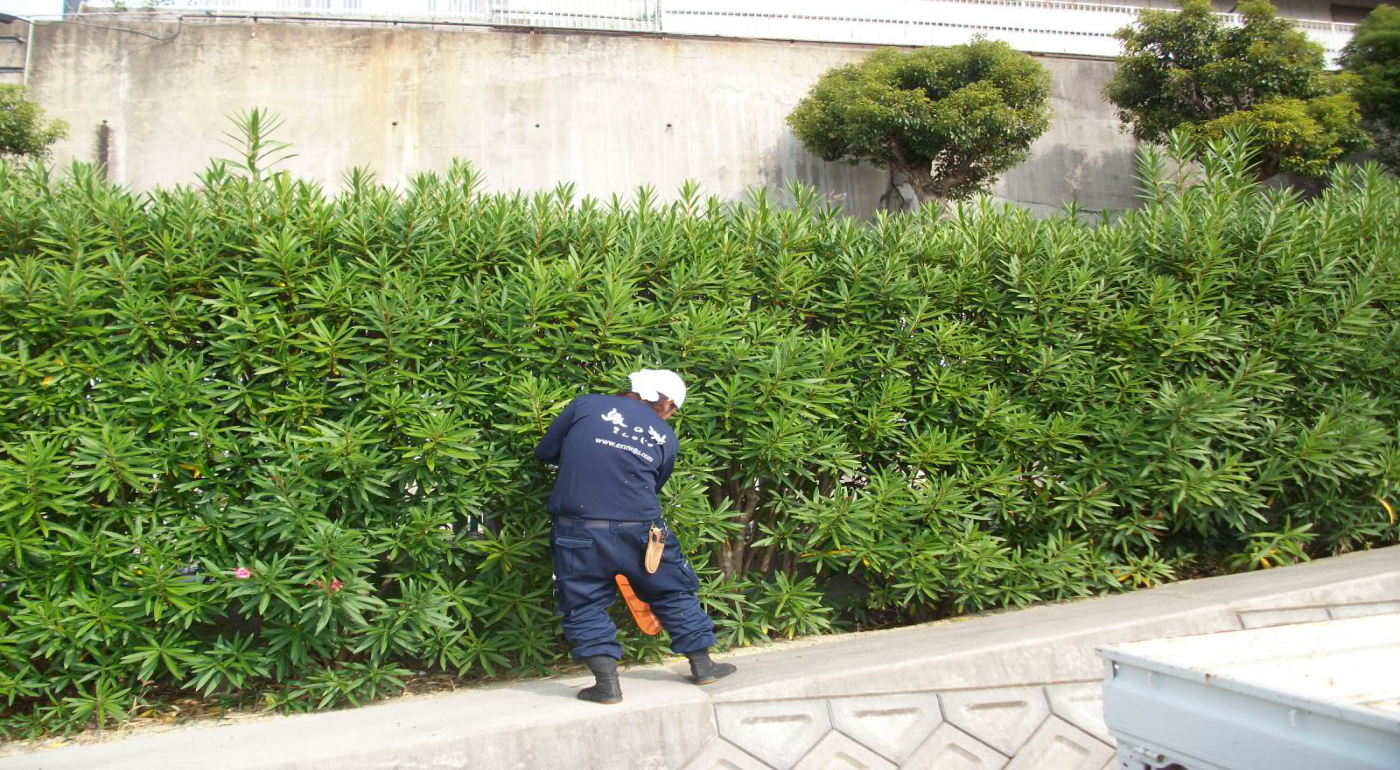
656,543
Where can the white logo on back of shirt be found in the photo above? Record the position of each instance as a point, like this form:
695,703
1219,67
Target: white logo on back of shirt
657,437
615,418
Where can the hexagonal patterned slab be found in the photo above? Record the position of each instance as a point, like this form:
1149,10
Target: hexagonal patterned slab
1059,745
838,752
1082,706
1003,718
720,754
893,725
777,732
952,749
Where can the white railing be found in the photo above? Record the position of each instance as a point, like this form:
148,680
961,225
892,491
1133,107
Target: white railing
1042,26
1331,36
1025,24
614,15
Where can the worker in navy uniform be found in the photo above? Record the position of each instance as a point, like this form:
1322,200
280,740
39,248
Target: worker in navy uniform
614,455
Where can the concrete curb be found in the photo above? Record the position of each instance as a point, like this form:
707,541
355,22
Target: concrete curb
1055,643
662,723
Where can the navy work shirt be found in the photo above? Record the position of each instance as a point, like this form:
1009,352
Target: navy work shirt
614,454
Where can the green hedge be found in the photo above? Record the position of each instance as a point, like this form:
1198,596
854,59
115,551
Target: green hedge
892,421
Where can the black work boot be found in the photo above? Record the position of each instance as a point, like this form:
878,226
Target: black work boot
706,671
607,690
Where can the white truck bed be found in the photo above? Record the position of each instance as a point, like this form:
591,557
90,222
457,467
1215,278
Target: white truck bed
1315,695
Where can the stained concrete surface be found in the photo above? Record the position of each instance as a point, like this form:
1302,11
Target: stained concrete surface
606,113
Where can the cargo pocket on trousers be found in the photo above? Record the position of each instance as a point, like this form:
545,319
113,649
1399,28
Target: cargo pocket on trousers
689,572
571,556
673,554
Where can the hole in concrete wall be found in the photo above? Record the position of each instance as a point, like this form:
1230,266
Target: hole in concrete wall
395,123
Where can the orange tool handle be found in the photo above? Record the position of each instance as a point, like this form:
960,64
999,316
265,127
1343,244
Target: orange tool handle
641,611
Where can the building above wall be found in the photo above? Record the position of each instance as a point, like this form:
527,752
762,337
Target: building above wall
1037,26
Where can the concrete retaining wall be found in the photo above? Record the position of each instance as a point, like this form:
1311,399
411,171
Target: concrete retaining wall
607,113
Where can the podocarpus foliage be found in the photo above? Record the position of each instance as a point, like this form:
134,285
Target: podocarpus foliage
256,437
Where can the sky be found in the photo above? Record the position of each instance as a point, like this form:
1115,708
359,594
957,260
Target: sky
32,7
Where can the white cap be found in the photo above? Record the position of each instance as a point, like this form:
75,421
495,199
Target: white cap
652,384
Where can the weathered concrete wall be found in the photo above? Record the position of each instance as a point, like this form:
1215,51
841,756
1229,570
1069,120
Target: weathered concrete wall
607,113
1084,156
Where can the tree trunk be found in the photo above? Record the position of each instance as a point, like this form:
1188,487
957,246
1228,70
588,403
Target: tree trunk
1268,166
920,178
746,503
917,174
900,196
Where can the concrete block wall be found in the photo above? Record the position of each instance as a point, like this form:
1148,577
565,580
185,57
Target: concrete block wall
1046,728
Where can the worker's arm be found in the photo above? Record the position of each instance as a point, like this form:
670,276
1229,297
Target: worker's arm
668,464
547,451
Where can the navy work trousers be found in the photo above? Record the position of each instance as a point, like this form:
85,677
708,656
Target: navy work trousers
590,553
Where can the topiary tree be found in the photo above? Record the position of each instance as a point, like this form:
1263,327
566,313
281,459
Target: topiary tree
1373,55
23,130
949,120
1193,71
